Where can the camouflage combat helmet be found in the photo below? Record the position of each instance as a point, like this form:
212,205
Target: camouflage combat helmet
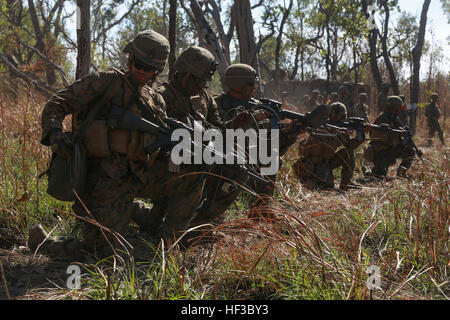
394,103
238,75
343,89
386,86
334,95
338,108
434,96
149,47
197,61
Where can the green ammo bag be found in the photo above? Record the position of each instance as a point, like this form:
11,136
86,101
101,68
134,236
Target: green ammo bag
66,174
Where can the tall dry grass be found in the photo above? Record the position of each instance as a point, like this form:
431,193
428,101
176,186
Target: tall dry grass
23,200
315,245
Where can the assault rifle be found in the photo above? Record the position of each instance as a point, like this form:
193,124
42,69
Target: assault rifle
360,126
122,119
275,109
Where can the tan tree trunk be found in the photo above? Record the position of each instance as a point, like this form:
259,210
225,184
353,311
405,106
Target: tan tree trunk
417,53
172,36
246,35
83,38
210,39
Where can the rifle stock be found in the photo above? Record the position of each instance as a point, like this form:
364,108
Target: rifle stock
360,126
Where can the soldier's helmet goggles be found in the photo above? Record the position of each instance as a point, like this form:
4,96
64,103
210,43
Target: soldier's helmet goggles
138,64
208,75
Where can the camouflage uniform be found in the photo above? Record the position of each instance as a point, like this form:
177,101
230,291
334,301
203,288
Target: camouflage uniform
362,110
116,178
221,193
433,112
180,106
320,155
112,181
387,148
346,98
312,102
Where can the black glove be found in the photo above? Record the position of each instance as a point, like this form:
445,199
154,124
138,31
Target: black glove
61,143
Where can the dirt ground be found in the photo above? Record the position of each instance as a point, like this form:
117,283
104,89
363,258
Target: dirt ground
28,276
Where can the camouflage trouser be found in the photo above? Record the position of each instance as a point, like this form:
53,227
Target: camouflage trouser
433,127
219,195
318,173
382,159
174,204
110,201
346,159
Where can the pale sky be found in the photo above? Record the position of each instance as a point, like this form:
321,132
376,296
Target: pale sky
437,22
436,16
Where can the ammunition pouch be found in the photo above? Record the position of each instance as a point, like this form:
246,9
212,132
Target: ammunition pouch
67,174
96,140
101,141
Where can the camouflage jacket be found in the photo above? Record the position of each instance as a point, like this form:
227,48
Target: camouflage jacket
320,149
361,111
78,98
227,105
382,140
432,111
348,102
179,105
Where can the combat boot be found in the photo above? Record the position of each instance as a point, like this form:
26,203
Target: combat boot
40,241
148,219
351,185
402,173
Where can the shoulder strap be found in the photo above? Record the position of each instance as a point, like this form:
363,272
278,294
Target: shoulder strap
94,111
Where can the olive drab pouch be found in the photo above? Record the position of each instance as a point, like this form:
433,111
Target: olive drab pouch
67,174
58,175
